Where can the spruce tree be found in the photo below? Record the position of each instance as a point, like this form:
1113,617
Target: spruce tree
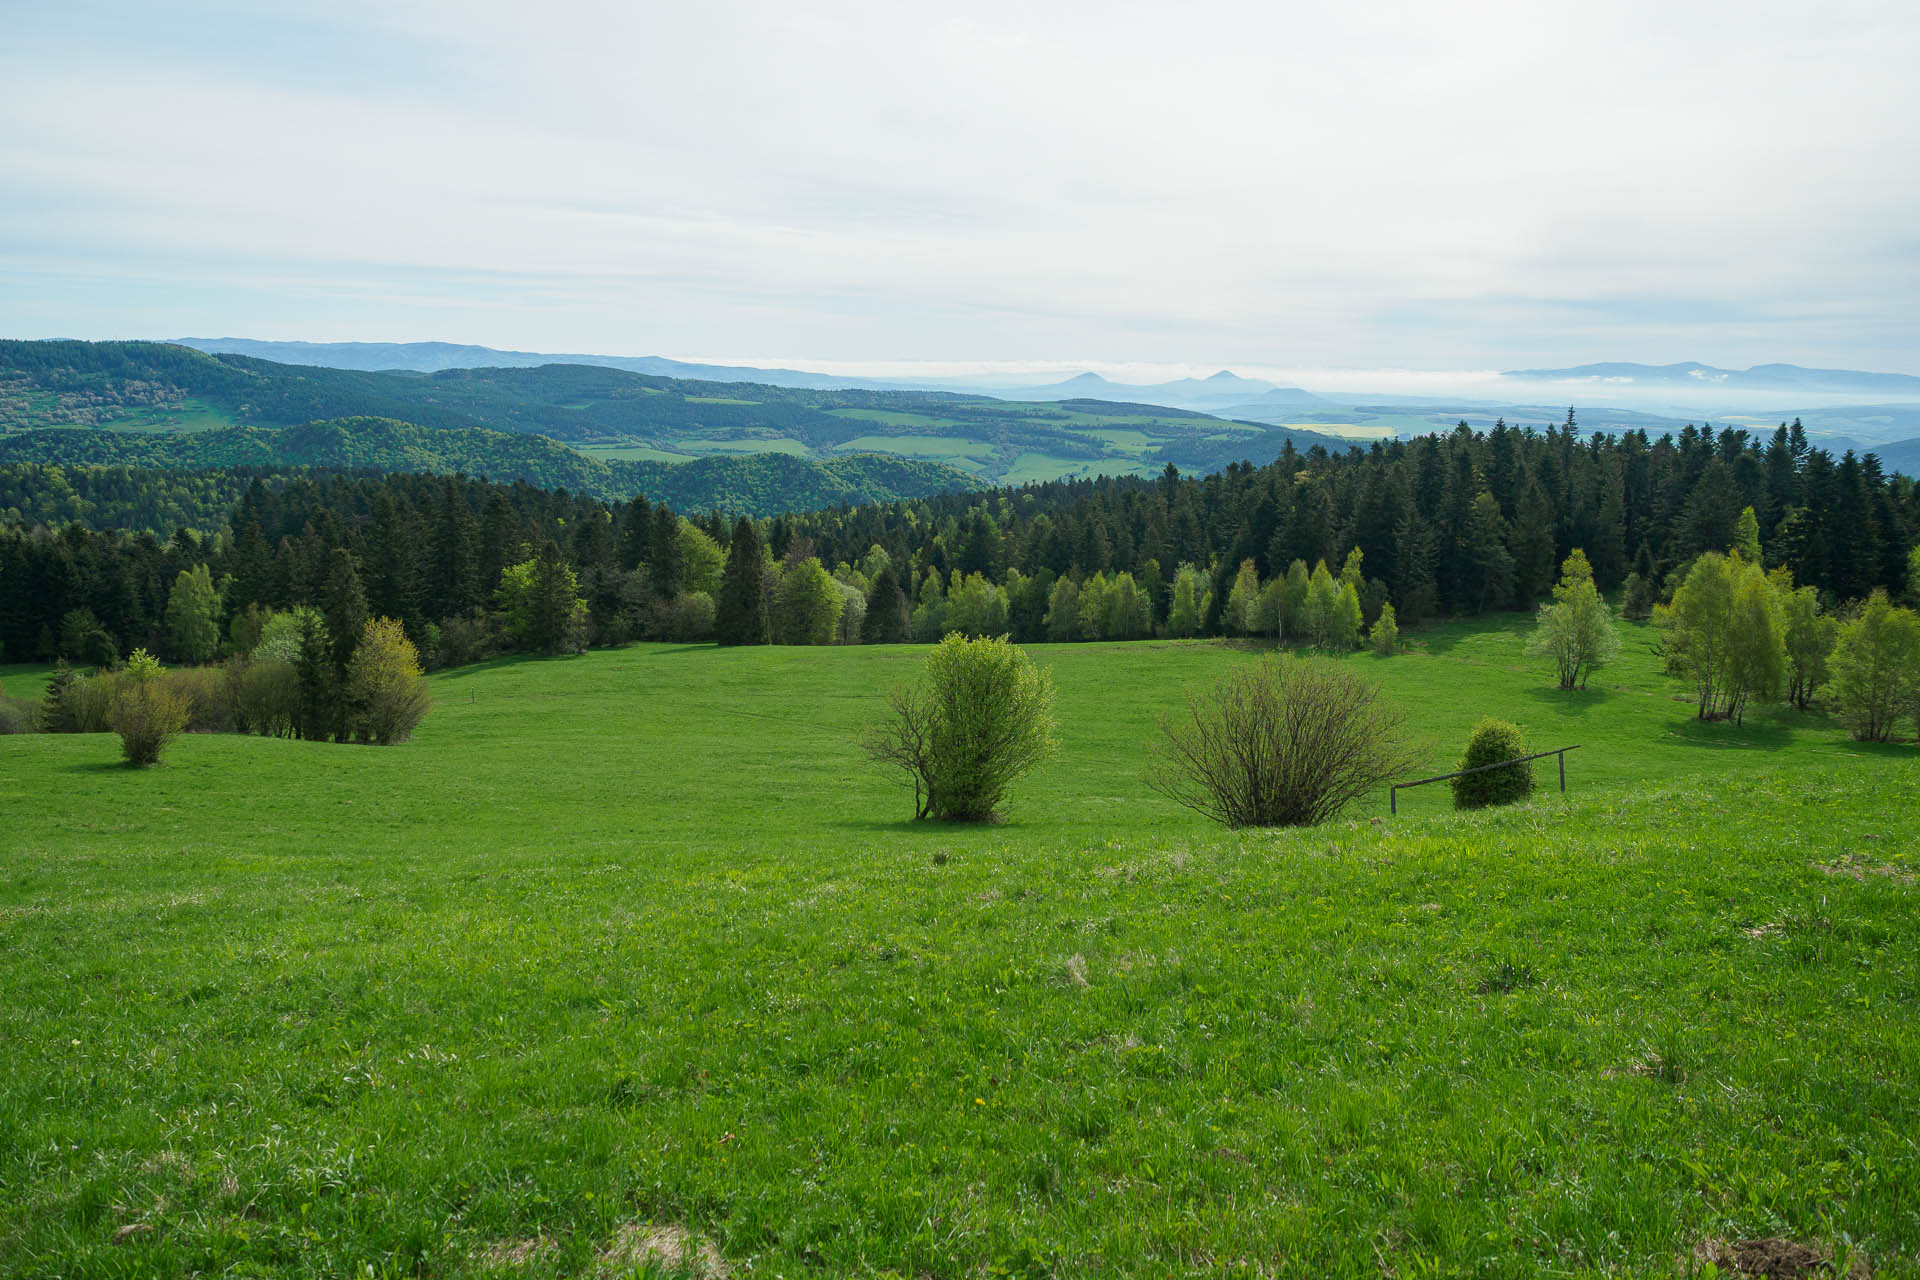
1532,543
251,567
636,534
553,618
1487,567
887,619
666,562
456,551
343,604
740,614
502,542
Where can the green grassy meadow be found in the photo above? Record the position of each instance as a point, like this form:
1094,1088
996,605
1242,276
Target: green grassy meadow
638,937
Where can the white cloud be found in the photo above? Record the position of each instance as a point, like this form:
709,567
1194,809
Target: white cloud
1292,184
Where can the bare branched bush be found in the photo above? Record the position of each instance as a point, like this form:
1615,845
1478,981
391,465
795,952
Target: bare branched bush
1280,744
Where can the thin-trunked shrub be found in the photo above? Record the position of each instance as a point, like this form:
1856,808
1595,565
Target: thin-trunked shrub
146,712
77,703
18,715
1491,742
208,693
1281,743
267,699
980,717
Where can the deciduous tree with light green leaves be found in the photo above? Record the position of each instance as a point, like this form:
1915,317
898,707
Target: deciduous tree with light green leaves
1063,611
540,603
1746,536
930,610
386,694
193,616
1323,601
1876,668
1808,633
1384,636
1576,630
1241,614
977,607
1723,634
1343,633
806,605
1183,617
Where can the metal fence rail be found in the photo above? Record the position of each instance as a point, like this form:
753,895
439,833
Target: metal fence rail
1393,792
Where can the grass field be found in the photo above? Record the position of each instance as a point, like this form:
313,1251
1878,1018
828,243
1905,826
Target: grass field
636,938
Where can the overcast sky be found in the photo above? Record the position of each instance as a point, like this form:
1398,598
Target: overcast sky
1261,186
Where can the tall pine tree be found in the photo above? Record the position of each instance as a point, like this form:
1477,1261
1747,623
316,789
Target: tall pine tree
740,614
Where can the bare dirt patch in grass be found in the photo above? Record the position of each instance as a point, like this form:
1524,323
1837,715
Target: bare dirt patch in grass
503,1255
1776,1259
643,1244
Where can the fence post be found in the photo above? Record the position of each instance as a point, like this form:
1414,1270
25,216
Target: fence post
1563,770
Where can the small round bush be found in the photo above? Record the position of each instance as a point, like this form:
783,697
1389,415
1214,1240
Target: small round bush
1491,742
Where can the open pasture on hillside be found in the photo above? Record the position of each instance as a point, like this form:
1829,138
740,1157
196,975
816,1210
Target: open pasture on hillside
637,943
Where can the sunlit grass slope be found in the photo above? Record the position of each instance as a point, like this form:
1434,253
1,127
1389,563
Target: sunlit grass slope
638,937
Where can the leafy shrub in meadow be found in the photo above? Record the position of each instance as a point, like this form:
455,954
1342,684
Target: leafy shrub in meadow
17,715
1491,742
78,703
466,638
208,693
266,699
688,618
1385,635
146,713
980,717
386,694
1280,743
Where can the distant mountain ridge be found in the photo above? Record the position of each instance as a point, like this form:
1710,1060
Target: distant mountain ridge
437,357
1210,393
581,426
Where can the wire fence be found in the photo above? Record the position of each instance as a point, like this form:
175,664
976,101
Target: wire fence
1393,792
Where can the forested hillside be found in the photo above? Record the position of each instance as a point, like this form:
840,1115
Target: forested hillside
1461,523
753,484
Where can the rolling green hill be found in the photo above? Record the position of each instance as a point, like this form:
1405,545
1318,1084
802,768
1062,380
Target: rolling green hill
611,415
753,484
637,941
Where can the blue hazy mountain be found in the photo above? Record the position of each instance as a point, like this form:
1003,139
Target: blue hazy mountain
437,357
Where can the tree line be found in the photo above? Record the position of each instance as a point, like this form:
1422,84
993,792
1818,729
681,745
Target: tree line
1315,546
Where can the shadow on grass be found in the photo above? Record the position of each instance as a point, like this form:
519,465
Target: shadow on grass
1573,702
916,826
1754,735
506,661
101,766
1880,750
1443,637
